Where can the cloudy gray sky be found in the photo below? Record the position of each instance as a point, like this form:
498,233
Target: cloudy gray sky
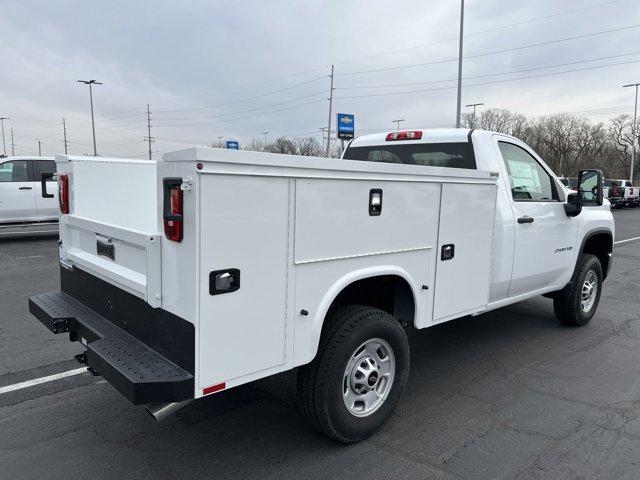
238,68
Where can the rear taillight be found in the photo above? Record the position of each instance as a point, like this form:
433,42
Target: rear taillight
172,209
408,135
63,193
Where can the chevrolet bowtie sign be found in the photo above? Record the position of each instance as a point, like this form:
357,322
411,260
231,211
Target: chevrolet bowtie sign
346,126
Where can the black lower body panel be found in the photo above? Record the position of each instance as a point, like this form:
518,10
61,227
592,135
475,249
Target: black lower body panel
147,354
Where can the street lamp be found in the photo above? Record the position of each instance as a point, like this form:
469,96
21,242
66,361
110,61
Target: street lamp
93,125
397,122
458,113
474,105
633,130
4,145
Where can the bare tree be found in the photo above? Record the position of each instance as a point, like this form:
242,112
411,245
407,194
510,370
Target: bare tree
282,145
308,146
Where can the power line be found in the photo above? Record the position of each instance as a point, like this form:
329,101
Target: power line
495,52
358,87
247,116
488,83
290,87
482,32
242,111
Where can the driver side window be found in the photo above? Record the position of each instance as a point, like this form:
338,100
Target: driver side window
529,181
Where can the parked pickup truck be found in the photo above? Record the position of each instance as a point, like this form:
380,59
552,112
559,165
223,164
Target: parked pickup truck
23,208
621,193
213,268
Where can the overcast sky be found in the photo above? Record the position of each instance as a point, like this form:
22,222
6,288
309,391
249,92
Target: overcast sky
238,68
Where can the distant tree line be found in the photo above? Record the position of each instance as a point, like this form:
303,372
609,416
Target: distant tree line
567,142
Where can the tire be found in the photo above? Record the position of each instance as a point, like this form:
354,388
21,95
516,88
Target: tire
323,382
569,307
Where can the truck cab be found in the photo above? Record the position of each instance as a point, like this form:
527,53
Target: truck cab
22,203
535,243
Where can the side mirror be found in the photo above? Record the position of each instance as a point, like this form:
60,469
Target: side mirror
43,183
590,187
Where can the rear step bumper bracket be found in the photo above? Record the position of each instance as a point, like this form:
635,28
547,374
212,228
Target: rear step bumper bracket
140,373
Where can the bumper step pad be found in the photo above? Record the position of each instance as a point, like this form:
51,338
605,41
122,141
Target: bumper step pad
140,373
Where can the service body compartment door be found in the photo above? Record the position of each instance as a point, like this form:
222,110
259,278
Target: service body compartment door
463,258
244,232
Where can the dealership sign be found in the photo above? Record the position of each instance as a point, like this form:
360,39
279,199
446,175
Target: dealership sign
346,126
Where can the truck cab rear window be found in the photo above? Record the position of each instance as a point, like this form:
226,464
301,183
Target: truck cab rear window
451,155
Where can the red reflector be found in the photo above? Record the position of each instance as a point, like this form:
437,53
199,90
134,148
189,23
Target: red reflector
63,193
199,166
408,135
213,388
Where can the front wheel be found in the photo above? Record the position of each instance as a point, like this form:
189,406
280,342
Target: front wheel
353,385
578,305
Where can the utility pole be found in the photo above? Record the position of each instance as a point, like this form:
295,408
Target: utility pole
329,122
474,105
64,133
39,148
458,109
149,138
633,131
4,146
93,125
264,145
397,122
13,145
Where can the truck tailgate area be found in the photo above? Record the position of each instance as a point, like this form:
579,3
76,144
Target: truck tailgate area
143,352
107,233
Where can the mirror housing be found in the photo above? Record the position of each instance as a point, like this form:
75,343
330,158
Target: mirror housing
590,190
572,208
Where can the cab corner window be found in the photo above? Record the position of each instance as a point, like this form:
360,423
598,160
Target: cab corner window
14,171
528,180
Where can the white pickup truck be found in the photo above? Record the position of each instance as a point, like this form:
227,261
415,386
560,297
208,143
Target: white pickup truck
621,193
213,268
23,208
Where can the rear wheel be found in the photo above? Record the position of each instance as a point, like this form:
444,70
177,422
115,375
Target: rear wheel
358,375
578,305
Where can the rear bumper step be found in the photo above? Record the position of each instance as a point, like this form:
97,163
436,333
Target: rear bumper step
140,373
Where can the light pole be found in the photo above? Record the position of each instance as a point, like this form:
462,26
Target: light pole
633,130
458,109
474,105
264,146
397,122
4,145
93,125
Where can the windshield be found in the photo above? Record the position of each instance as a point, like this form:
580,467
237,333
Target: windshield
451,155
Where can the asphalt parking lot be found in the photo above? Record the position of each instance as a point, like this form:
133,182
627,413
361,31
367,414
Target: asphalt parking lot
509,394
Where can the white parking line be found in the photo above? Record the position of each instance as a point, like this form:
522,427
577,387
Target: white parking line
38,381
627,240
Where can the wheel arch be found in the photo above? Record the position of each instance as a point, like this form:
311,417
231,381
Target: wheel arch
352,288
598,242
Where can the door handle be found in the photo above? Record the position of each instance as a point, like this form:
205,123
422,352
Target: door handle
25,188
525,219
